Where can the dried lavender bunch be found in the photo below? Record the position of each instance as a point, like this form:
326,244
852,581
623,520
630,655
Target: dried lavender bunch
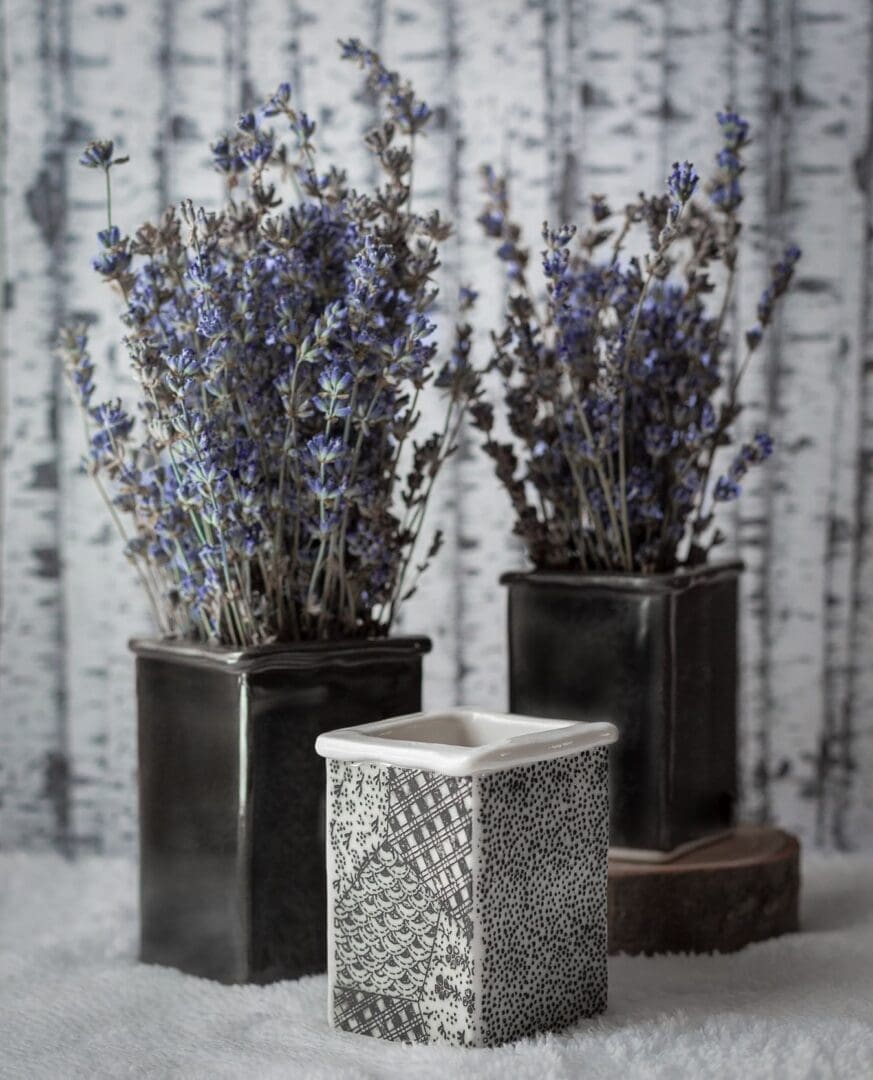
614,385
271,488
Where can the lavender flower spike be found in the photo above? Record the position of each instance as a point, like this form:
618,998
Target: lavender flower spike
98,155
682,181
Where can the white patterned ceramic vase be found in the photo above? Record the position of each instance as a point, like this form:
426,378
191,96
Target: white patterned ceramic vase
466,856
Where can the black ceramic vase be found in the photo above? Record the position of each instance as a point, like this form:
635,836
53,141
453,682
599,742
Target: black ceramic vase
231,794
657,656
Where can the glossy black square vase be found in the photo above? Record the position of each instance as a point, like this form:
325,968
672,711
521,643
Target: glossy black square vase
657,656
231,795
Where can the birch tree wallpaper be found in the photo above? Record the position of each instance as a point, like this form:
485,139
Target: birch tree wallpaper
569,98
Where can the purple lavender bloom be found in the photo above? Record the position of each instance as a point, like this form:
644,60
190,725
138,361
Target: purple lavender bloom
78,365
112,427
98,154
109,237
726,489
660,440
734,129
305,128
278,102
257,151
226,157
492,222
405,110
682,181
727,195
763,446
111,263
325,489
182,368
726,191
467,297
781,275
210,322
325,451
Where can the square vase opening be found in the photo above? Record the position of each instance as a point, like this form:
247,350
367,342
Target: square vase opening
656,655
231,794
467,861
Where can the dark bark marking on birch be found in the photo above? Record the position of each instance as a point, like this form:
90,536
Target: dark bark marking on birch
457,147
166,123
776,59
185,129
7,299
62,808
45,198
45,476
48,562
549,18
56,791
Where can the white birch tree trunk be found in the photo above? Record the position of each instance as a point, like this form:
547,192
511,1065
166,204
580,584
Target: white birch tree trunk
33,742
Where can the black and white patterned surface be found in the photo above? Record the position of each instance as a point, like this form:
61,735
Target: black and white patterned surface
467,910
402,897
543,834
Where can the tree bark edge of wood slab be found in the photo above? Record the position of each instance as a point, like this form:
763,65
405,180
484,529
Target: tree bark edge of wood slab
742,888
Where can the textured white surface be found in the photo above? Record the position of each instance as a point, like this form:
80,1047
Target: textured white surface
74,1002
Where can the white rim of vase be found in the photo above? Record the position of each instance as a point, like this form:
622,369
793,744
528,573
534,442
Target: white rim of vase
505,740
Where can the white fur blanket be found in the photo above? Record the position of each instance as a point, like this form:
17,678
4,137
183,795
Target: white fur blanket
75,1003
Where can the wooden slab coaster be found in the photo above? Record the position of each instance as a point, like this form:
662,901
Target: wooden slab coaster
744,887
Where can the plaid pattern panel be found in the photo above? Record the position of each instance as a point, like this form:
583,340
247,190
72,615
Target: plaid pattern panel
429,823
377,1014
